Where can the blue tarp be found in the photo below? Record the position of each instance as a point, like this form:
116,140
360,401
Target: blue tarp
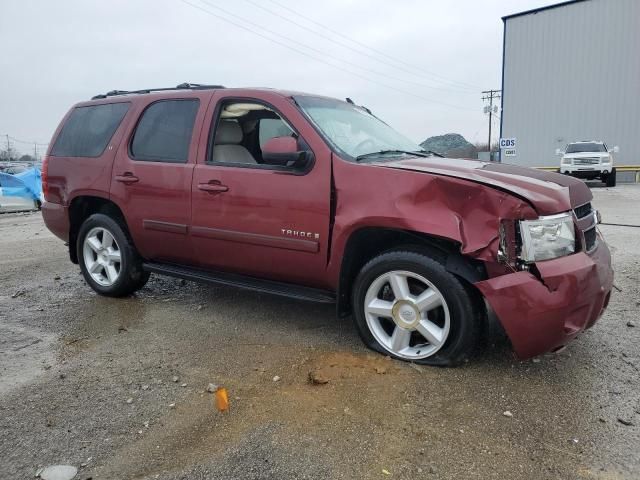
27,184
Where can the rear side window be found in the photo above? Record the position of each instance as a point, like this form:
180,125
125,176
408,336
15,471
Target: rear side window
164,131
88,130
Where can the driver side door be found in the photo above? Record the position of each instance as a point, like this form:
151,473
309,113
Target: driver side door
254,218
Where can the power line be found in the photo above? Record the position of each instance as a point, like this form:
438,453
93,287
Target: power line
309,47
13,154
464,89
379,52
301,52
26,141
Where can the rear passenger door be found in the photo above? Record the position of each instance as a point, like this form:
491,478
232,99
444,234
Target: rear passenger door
152,173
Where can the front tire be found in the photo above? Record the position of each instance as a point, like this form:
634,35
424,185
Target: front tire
108,260
408,306
610,181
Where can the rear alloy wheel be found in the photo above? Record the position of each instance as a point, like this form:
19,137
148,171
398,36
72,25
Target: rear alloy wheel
102,256
407,305
108,260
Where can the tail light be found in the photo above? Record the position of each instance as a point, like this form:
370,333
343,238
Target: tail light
45,177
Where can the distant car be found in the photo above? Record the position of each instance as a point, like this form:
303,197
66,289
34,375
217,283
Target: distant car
9,201
10,204
589,160
20,189
13,169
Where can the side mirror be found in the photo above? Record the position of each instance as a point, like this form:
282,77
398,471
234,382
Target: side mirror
616,149
559,152
284,152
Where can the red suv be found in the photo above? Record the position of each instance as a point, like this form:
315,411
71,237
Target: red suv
317,199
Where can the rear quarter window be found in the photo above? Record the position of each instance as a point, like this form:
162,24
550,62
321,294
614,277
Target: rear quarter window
88,130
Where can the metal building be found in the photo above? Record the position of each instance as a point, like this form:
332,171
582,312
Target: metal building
571,72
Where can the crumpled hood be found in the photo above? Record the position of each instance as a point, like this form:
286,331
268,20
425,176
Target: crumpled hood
548,192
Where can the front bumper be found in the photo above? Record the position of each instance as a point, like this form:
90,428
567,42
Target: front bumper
586,170
543,314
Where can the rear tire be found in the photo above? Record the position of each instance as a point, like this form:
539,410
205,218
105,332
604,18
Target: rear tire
108,260
431,323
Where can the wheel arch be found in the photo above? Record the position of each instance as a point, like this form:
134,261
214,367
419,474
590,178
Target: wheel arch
368,242
81,208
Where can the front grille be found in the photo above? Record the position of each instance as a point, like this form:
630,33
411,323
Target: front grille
586,161
583,210
590,238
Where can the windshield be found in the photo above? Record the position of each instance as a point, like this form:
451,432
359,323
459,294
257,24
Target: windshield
585,147
352,130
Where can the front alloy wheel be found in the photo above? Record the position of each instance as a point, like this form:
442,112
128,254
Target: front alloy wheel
407,314
407,305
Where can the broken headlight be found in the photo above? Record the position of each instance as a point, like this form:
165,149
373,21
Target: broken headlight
547,237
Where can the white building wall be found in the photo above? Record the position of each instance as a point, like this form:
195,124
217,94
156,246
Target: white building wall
572,73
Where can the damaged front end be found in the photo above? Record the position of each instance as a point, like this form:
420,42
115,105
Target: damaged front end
542,312
549,271
555,292
544,270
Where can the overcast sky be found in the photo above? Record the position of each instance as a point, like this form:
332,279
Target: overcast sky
418,64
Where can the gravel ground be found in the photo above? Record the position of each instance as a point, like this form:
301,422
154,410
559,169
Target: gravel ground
89,381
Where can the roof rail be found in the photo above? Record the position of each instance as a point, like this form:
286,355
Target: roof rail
182,86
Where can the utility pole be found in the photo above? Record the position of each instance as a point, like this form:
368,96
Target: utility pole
490,95
8,147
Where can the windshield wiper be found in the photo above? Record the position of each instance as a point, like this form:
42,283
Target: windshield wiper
387,152
431,153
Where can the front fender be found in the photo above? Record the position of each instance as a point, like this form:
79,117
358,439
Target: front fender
459,211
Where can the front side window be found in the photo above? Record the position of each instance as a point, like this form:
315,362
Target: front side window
164,131
272,127
88,130
585,147
245,133
351,129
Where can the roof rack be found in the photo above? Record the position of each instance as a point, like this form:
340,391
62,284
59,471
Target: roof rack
182,86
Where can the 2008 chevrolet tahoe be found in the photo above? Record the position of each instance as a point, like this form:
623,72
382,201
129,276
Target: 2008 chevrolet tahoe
315,198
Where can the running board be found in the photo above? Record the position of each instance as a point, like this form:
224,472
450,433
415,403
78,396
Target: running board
241,281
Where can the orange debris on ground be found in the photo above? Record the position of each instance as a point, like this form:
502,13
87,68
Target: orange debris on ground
222,399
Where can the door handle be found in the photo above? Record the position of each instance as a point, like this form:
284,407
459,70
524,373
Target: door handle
126,178
213,187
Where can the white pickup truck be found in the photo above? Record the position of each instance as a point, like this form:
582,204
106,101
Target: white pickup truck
589,160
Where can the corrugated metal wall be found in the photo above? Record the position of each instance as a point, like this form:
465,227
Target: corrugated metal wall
573,73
